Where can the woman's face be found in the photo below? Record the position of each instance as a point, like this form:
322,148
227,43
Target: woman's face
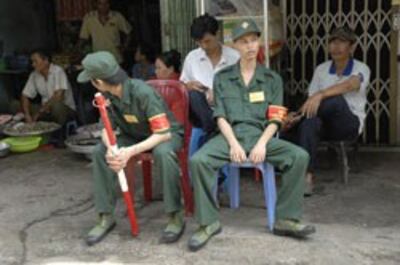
162,71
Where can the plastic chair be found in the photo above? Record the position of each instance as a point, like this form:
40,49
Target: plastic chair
232,182
175,95
340,148
268,175
197,139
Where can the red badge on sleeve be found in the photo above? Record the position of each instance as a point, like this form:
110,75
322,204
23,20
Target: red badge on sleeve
159,123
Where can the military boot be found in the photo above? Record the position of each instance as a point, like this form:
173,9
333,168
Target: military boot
104,225
292,228
174,229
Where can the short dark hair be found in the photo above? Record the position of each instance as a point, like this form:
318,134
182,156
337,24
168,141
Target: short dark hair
202,25
44,54
171,58
343,33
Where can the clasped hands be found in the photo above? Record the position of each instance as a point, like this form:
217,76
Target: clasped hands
256,156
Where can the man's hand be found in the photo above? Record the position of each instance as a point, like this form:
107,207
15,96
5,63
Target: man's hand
44,109
210,97
237,153
291,120
311,106
258,153
195,85
118,161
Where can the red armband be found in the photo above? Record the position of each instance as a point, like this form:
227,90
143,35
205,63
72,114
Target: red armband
276,113
159,123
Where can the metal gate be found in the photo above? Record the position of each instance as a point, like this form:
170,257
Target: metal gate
176,18
308,25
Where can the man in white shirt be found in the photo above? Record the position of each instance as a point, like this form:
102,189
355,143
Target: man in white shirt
50,82
335,108
200,67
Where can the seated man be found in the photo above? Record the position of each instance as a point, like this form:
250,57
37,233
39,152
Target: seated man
145,124
335,109
50,82
243,93
200,67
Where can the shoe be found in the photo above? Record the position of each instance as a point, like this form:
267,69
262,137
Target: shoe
292,228
105,224
204,233
174,229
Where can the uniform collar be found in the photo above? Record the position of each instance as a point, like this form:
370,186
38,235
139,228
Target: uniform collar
126,95
259,75
347,70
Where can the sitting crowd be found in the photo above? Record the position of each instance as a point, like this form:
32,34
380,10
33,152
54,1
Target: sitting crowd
229,95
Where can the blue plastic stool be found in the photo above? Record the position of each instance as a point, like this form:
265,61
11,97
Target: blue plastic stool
197,139
268,174
231,171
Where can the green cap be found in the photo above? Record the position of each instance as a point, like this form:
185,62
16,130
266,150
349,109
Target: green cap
244,27
98,65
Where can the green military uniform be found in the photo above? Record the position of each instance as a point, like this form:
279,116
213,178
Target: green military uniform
138,113
132,114
244,108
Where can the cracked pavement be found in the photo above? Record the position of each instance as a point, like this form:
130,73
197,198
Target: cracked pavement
46,209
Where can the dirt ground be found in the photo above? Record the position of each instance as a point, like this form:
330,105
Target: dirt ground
46,209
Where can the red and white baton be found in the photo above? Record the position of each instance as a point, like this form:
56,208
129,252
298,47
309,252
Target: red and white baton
100,103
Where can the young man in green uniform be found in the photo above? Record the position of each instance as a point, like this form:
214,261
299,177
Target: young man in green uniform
243,93
145,124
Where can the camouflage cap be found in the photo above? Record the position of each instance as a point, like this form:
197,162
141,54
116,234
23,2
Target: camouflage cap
343,33
244,27
98,65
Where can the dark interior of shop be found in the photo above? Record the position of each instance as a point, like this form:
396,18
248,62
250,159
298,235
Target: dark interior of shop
26,25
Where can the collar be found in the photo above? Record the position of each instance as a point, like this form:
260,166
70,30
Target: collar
203,55
347,70
259,74
51,71
110,14
126,95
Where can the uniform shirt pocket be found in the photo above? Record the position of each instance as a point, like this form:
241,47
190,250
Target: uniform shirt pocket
233,106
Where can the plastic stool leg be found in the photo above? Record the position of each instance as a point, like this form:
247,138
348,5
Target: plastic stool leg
147,180
233,186
269,193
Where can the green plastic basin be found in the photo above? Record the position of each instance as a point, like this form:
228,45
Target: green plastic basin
23,144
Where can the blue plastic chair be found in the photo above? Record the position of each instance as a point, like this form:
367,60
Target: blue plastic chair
197,139
232,181
268,174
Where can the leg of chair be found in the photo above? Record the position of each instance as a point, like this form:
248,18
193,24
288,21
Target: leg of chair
257,176
269,193
345,168
130,176
356,162
147,181
233,186
186,187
